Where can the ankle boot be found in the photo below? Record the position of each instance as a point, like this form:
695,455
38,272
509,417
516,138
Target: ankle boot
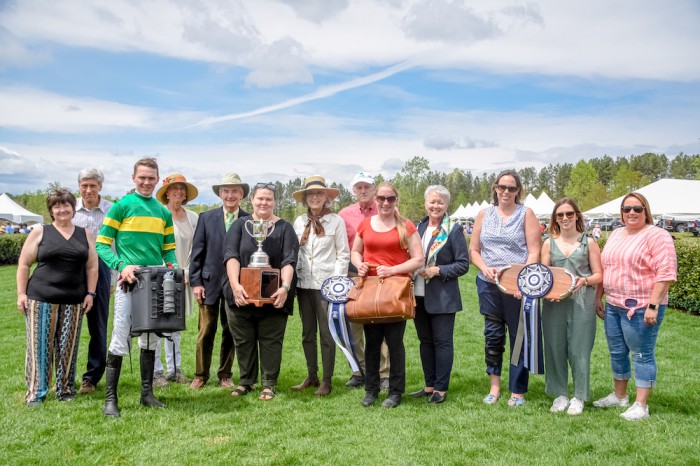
310,381
148,358
114,368
325,388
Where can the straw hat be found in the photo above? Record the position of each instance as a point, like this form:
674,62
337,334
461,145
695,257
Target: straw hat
232,179
316,183
170,180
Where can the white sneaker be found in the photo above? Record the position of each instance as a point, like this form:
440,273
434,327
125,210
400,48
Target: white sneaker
636,412
560,404
575,407
612,400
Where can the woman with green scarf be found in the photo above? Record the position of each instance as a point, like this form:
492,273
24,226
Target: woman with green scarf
437,292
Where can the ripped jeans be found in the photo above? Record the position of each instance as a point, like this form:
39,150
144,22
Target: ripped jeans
632,336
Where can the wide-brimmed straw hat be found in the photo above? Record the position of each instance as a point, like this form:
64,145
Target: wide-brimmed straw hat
232,179
316,183
175,178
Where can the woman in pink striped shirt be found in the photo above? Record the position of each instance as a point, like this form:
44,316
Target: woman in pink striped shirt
639,265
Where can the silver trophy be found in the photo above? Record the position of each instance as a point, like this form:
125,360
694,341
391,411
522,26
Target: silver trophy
261,229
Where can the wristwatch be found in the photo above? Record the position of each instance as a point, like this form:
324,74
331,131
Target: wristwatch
652,306
92,293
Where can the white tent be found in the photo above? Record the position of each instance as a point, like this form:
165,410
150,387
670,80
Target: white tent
667,196
460,212
10,210
531,202
546,202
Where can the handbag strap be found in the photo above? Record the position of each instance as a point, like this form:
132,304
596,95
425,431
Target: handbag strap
361,282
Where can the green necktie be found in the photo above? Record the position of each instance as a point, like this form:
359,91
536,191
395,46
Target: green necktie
230,217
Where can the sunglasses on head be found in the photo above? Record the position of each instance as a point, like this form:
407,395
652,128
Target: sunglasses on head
504,187
382,199
629,208
270,186
570,214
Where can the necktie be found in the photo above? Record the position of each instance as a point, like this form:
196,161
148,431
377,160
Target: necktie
229,219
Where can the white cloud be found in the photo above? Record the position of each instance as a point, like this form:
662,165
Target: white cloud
316,10
626,38
446,21
281,63
35,110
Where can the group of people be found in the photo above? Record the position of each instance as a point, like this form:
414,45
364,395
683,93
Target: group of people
93,248
634,272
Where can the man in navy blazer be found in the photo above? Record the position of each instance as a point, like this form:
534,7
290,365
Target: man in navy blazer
206,275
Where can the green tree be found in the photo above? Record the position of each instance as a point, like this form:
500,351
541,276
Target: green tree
683,167
528,177
582,181
560,174
653,166
627,180
605,167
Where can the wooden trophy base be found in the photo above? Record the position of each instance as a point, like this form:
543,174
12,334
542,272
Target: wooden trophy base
260,283
563,281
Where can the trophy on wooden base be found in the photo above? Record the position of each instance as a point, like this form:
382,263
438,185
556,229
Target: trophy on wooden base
260,280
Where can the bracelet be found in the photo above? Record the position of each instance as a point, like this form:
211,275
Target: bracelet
585,280
285,287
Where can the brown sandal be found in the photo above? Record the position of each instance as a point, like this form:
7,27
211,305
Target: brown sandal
241,390
267,394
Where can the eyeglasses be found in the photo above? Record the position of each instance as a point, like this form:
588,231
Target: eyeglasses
570,214
629,208
270,186
390,199
510,189
315,193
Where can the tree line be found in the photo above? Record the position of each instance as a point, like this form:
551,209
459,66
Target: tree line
591,182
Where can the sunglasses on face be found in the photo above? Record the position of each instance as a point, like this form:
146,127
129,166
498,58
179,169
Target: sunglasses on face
570,214
504,187
629,208
390,199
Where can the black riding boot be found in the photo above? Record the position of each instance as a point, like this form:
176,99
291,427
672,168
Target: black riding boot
114,368
148,358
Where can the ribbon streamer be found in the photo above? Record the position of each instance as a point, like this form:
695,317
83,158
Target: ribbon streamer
335,291
340,330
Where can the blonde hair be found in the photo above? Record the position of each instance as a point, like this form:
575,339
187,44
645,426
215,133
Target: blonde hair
398,219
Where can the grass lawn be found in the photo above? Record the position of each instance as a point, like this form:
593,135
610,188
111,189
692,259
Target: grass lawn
209,426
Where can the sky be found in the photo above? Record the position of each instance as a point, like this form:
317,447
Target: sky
275,90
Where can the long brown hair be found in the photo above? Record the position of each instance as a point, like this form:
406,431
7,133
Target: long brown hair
554,229
398,219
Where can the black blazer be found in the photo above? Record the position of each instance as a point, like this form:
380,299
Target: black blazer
442,293
207,262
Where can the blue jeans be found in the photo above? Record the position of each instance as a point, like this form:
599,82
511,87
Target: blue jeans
632,336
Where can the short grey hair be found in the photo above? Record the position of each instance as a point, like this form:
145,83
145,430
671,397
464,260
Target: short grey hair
91,174
438,189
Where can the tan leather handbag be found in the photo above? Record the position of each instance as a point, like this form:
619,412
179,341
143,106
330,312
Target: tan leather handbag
375,300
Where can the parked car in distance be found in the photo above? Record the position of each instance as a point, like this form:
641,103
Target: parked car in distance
678,224
607,223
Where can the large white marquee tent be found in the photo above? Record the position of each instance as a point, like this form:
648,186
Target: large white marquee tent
666,197
10,210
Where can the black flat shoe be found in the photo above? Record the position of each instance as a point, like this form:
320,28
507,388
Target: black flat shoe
420,393
356,381
392,401
369,399
437,398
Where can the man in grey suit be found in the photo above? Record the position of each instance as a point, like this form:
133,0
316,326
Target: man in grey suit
206,275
